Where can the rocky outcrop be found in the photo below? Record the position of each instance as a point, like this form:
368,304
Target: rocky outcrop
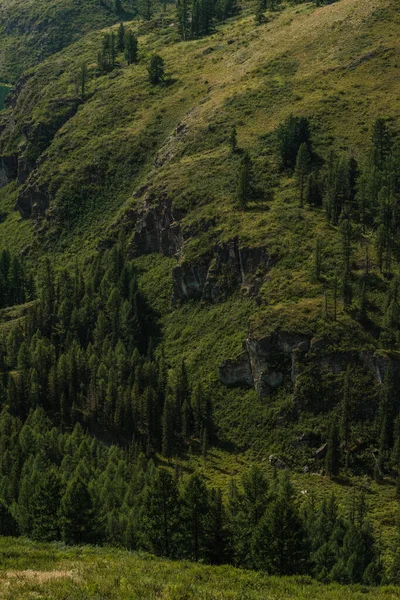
156,230
36,138
33,200
216,274
8,169
272,358
237,372
281,357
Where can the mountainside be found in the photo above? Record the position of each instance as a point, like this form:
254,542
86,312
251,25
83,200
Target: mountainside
157,163
32,30
211,259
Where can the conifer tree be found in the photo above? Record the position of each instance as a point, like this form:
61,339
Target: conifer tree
161,514
245,184
279,543
131,48
233,139
156,69
76,513
183,16
45,506
301,171
195,507
332,459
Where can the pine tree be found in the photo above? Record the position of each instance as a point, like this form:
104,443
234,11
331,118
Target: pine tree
245,181
121,38
161,514
156,70
301,170
131,48
279,542
182,8
217,537
345,415
195,507
77,513
332,459
233,139
45,505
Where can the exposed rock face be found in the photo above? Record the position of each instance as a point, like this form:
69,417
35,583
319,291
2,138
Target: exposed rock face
8,169
157,230
33,200
216,274
237,372
272,358
269,362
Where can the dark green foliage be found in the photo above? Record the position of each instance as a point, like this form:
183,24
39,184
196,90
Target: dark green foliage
183,16
156,69
121,38
77,513
106,57
301,170
233,139
195,507
291,134
279,541
245,186
131,47
161,515
16,285
8,524
332,459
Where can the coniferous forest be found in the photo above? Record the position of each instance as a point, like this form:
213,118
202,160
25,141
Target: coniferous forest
200,299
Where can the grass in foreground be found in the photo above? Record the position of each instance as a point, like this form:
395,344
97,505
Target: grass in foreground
53,572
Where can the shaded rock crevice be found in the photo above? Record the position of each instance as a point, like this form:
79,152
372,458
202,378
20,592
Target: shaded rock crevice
216,274
282,357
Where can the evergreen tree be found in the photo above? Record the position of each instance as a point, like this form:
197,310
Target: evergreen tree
301,170
131,48
121,38
45,505
291,134
195,507
156,70
161,514
279,543
332,460
233,139
77,513
244,192
183,17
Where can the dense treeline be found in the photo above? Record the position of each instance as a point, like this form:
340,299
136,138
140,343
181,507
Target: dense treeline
16,285
69,486
85,354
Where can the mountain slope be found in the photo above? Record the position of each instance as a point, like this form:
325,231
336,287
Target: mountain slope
156,162
31,31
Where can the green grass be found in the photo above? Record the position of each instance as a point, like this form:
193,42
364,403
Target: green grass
337,64
56,572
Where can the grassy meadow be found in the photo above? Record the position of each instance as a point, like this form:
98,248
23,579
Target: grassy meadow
55,572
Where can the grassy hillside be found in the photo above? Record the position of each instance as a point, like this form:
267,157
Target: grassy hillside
130,146
31,31
131,191
53,571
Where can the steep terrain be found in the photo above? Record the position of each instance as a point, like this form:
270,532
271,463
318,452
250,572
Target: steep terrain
31,31
156,161
234,290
